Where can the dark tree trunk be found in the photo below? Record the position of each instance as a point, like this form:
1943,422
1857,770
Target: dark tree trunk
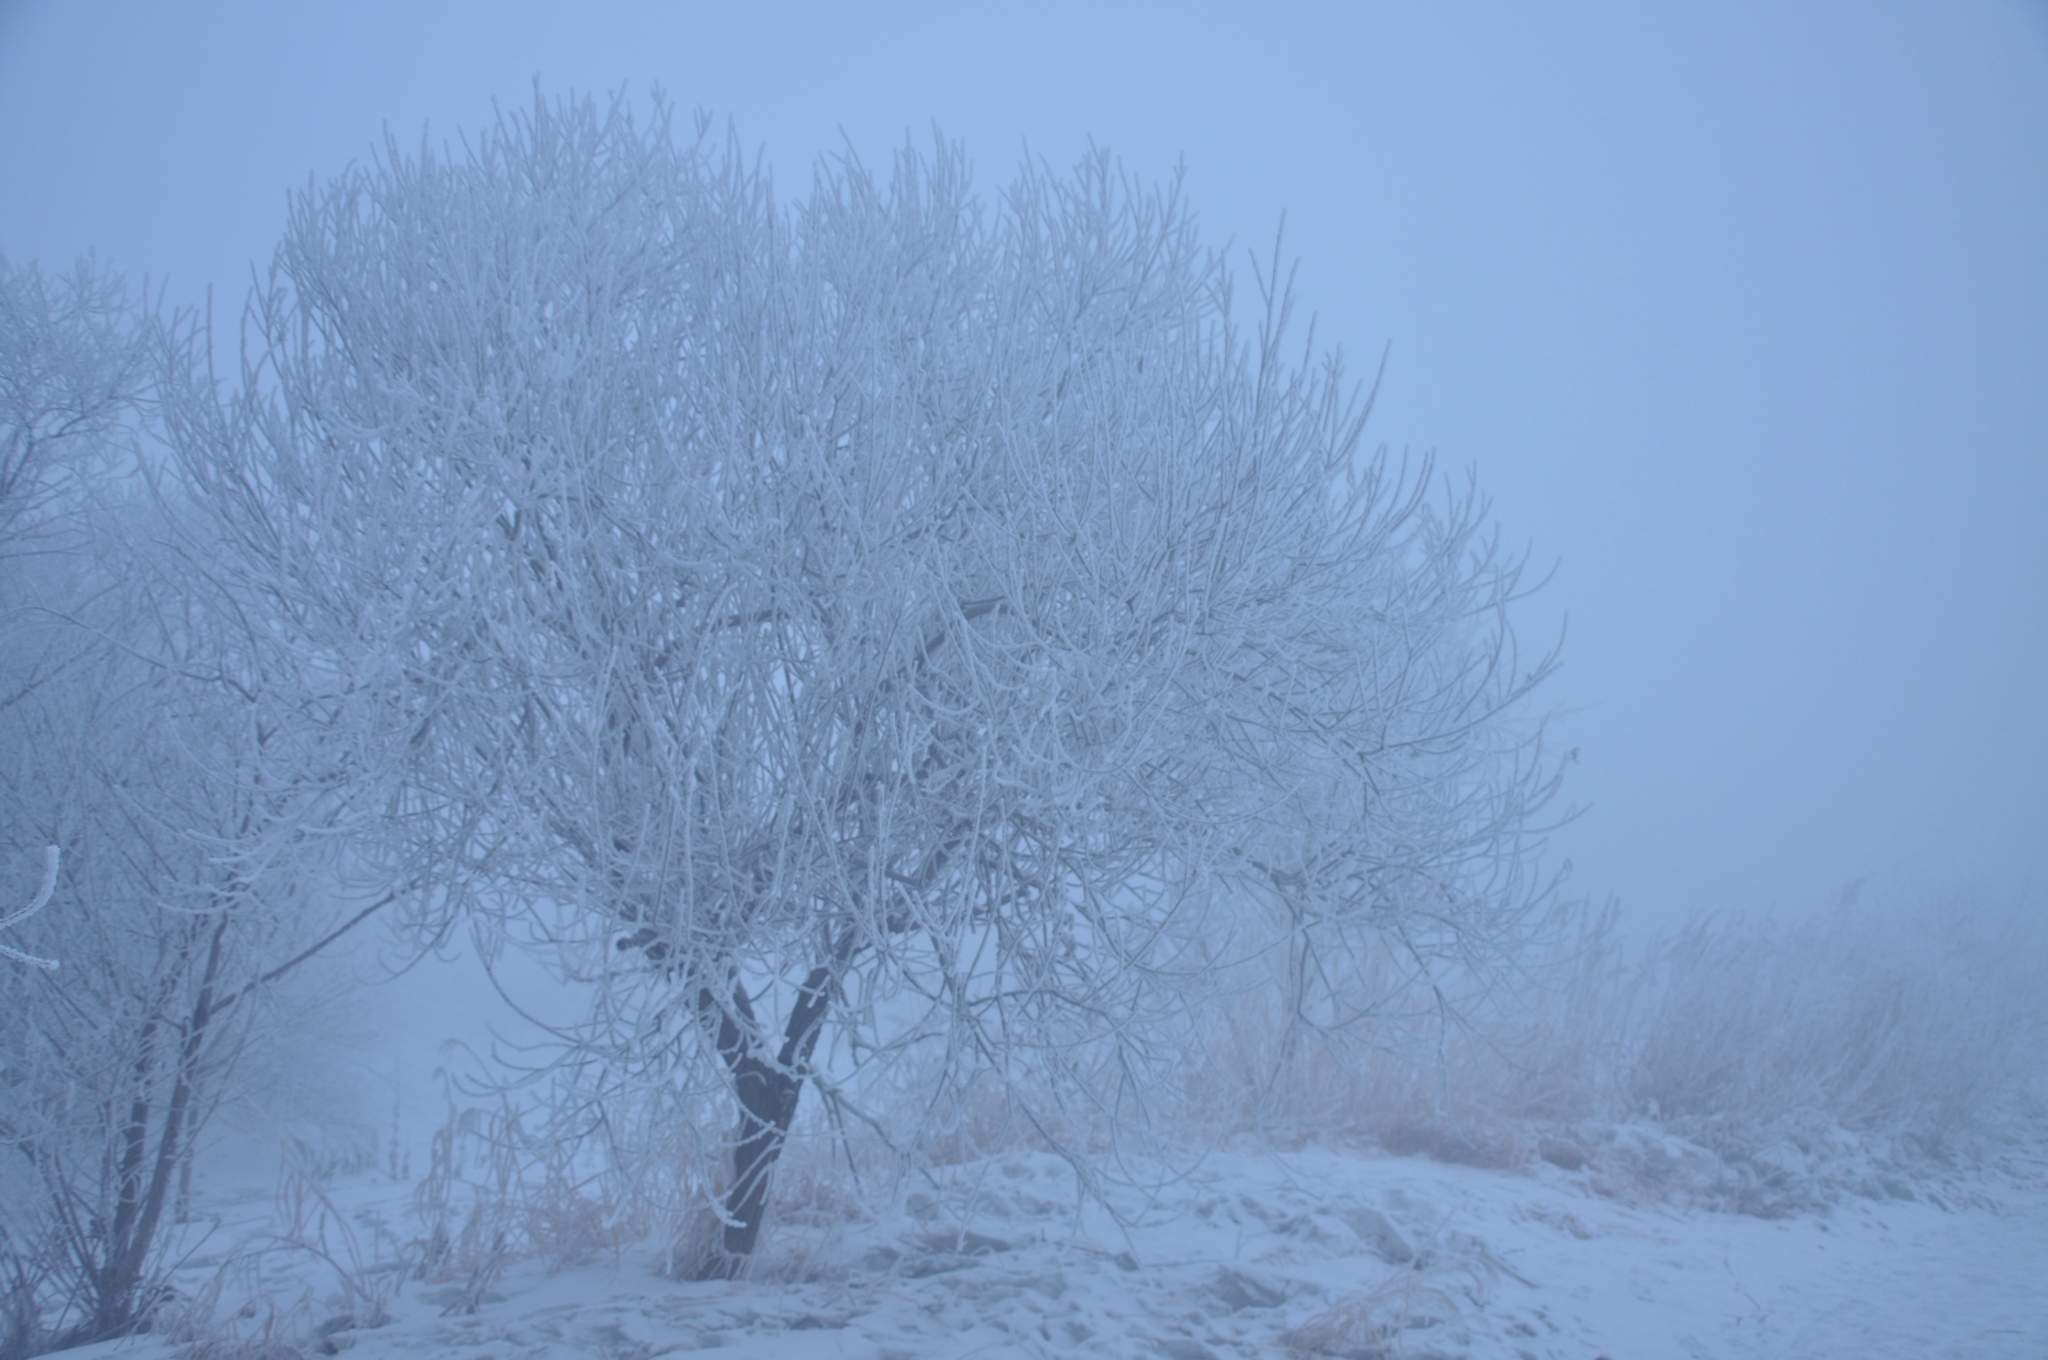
120,1302
767,1093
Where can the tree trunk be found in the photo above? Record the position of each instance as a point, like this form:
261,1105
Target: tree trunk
121,1303
767,1093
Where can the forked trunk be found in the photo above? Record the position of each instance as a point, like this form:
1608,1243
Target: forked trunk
767,1093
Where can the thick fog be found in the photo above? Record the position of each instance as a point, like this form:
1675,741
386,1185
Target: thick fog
1740,315
1128,791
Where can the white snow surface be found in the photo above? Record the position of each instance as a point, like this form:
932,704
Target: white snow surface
1310,1252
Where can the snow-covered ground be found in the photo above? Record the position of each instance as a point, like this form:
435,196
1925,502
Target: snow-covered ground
1310,1252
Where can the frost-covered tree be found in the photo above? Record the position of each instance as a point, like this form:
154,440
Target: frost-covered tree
864,624
168,792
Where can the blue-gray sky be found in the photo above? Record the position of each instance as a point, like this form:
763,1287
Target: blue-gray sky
1740,311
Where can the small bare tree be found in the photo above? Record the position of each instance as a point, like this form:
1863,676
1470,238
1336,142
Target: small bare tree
861,626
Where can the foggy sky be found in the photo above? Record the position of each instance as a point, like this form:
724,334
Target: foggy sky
1740,312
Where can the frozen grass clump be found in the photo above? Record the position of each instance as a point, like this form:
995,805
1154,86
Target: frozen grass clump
1869,1042
1757,1065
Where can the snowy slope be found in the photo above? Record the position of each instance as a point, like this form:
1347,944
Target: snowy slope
1313,1252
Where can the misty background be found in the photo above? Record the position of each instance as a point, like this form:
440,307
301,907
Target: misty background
1740,313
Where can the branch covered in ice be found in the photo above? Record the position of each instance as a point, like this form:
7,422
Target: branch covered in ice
50,859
